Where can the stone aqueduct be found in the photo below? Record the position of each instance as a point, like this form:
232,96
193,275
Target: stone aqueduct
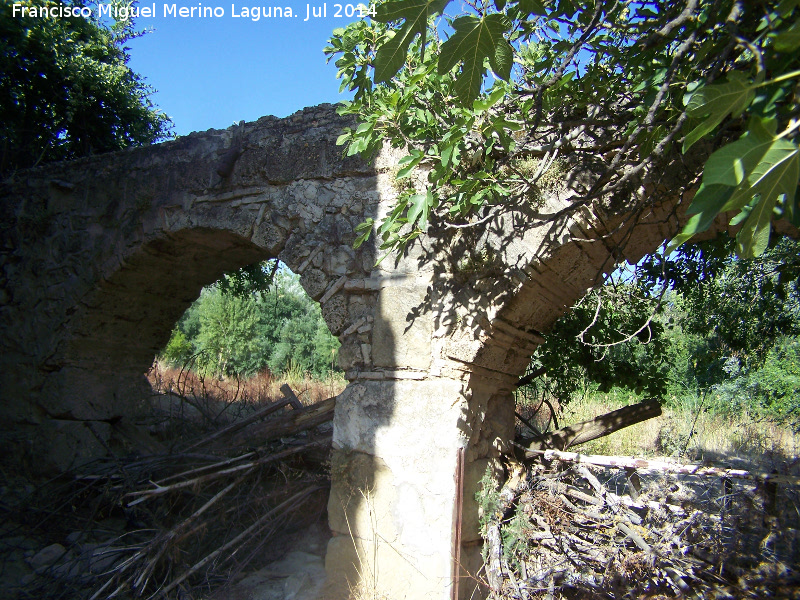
101,256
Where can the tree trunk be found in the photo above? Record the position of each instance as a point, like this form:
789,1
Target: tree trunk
579,433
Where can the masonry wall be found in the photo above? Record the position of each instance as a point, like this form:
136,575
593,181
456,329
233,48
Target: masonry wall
99,258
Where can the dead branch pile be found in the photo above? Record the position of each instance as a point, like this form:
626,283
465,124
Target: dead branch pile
183,520
574,530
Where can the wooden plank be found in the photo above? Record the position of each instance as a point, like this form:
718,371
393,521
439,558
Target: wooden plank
290,396
294,422
290,399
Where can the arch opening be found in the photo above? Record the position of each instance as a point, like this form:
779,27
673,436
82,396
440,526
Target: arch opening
122,323
230,358
245,336
278,506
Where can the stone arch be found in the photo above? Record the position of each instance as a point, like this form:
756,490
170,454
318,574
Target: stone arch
545,274
121,324
502,286
101,256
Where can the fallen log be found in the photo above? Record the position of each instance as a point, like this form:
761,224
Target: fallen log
290,399
601,426
284,426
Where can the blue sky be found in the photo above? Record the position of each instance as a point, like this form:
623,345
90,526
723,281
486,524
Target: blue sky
214,72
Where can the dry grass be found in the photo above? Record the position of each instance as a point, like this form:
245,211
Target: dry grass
261,388
689,432
367,586
213,401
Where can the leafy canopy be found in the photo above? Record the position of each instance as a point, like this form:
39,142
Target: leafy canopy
629,91
741,307
66,89
697,322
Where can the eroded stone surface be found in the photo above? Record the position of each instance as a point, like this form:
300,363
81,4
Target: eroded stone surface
402,333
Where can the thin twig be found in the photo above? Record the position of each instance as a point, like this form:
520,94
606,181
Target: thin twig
302,495
249,466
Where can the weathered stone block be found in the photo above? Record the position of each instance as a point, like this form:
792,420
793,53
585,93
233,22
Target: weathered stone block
314,282
270,237
362,496
334,311
353,572
69,444
403,329
416,425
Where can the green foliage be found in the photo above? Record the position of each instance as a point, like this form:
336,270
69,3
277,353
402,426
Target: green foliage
740,307
240,334
178,350
723,332
715,102
304,343
586,346
754,175
625,80
487,497
474,41
252,279
515,532
414,13
772,389
66,89
228,335
515,535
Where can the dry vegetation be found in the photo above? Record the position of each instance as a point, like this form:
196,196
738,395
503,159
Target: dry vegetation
217,400
687,431
231,471
564,530
581,531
